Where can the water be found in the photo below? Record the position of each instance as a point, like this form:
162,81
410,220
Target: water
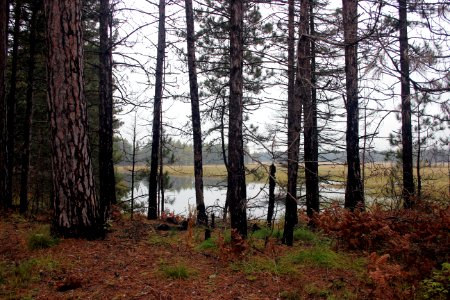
180,196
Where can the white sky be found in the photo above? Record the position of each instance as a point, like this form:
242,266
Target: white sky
134,82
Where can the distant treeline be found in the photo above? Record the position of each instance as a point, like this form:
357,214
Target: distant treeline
180,153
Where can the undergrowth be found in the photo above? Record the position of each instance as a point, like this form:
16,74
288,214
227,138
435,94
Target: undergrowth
177,271
404,244
41,238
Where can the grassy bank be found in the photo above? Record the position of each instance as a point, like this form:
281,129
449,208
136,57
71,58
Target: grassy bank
381,179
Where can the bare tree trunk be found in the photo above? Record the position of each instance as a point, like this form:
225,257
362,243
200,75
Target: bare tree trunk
236,191
419,152
271,206
12,103
224,154
133,166
294,127
106,165
308,94
4,16
407,157
28,112
161,171
76,210
156,130
195,107
354,195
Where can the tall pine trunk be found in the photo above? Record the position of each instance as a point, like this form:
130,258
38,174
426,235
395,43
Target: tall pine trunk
28,112
156,127
294,127
11,119
310,112
106,164
407,148
236,192
76,211
354,195
195,107
4,16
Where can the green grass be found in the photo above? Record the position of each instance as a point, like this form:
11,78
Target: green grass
305,235
41,238
27,271
207,245
258,265
318,256
178,271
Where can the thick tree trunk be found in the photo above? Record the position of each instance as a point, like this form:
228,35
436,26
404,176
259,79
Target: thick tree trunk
407,148
236,191
156,127
28,113
294,127
354,194
308,93
195,107
106,165
12,103
74,198
4,16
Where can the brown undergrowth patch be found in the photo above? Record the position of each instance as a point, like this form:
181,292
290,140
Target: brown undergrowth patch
135,261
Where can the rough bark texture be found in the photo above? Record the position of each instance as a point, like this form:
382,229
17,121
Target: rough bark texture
4,13
156,127
271,206
407,148
106,164
195,108
294,127
354,195
28,112
310,112
236,191
74,199
11,119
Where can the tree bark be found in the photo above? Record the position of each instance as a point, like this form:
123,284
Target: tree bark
11,119
354,195
28,112
106,165
236,191
76,210
308,93
271,206
195,108
294,128
156,127
407,148
4,16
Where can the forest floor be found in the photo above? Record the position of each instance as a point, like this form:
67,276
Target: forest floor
136,261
